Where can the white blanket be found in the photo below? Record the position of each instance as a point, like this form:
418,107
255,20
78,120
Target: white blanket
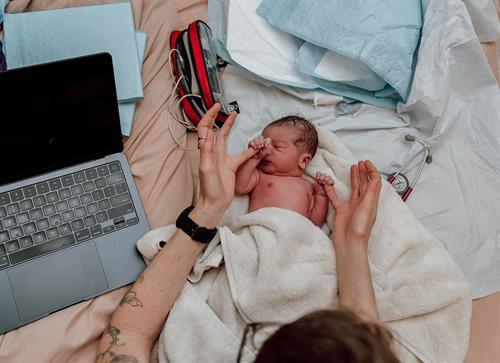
278,266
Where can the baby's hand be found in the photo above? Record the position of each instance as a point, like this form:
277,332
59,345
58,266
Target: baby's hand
322,181
262,144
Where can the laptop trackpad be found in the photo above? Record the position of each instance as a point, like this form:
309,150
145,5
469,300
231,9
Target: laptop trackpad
57,280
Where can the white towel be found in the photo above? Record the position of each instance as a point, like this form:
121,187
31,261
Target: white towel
278,266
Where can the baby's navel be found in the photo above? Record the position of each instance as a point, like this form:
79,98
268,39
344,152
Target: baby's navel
269,185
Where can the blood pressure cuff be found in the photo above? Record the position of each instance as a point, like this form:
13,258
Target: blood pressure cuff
195,65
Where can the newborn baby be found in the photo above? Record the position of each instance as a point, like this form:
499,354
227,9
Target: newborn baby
274,176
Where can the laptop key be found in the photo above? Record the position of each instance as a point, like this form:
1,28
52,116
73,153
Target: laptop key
67,180
74,202
39,201
48,210
77,225
89,186
4,236
92,208
103,170
65,228
86,198
23,218
42,224
16,232
104,204
121,210
96,230
4,199
79,177
101,217
26,241
76,190
115,178
119,199
26,204
109,191
55,184
3,251
12,246
4,261
62,206
121,188
91,174
16,195
52,197
36,213
80,212
3,212
52,233
55,220
82,235
64,193
68,216
38,250
100,183
89,221
42,188
9,222
29,228
109,229
132,221
13,208
39,237
98,194
29,192
114,167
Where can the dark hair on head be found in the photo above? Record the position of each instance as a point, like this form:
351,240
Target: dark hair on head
328,336
307,134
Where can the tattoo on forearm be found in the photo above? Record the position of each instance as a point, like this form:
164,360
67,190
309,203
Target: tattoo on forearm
131,299
114,333
124,359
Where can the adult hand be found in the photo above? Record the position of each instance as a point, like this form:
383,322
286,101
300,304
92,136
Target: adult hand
354,220
217,168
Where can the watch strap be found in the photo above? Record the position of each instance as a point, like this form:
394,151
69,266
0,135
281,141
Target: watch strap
192,229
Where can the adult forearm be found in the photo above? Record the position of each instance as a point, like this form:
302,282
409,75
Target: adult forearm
355,281
143,310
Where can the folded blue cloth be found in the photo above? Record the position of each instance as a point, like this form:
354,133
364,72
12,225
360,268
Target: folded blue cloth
382,34
44,36
127,110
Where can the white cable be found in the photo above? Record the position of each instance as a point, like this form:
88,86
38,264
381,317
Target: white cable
173,95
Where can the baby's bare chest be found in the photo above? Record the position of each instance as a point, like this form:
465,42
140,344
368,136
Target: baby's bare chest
282,191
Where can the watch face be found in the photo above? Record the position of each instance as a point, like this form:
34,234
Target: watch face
203,235
400,184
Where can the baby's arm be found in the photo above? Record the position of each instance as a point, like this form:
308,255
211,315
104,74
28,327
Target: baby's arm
319,209
247,175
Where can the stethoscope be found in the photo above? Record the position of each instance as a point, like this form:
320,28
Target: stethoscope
398,180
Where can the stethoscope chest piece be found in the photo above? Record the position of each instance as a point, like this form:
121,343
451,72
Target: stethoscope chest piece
400,183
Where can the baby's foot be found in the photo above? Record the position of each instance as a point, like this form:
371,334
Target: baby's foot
322,181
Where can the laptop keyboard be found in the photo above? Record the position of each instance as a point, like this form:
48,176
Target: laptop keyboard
60,212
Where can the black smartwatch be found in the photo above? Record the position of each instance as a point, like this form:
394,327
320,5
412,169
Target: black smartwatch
192,229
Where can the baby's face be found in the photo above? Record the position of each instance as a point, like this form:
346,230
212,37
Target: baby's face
284,157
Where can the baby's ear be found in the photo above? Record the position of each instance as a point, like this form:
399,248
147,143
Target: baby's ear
304,160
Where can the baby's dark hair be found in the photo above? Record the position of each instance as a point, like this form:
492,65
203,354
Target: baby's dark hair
307,134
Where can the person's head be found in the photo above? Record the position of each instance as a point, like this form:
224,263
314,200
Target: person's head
328,336
294,143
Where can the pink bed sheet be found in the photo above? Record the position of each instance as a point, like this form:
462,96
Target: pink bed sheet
163,173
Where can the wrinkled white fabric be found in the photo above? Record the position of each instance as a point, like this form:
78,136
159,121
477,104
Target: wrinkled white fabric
454,105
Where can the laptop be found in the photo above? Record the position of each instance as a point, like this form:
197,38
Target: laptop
70,213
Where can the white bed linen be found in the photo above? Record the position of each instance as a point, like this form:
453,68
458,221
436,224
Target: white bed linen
454,105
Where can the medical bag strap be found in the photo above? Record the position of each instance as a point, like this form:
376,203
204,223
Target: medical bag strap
201,72
187,107
3,61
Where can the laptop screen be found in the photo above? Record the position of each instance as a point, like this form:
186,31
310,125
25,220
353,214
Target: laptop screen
57,114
